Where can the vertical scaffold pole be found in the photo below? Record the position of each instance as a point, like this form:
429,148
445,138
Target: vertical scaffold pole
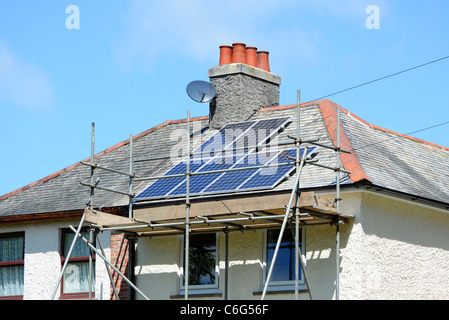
284,222
298,254
337,249
91,238
130,189
131,242
226,232
298,148
186,241
92,169
89,205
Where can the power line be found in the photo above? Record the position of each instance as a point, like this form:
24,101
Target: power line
431,127
382,78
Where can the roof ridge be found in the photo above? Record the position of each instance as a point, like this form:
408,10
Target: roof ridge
351,114
112,148
349,161
291,106
402,135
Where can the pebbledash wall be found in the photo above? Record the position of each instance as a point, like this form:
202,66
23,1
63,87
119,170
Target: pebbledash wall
397,249
394,249
42,259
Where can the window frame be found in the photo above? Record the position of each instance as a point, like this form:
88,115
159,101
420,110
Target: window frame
199,288
286,284
16,263
75,295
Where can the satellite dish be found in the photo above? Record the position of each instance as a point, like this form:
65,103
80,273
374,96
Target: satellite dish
201,91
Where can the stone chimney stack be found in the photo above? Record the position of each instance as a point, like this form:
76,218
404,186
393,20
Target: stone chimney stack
244,84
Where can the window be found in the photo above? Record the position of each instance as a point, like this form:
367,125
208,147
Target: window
203,268
11,265
284,269
75,283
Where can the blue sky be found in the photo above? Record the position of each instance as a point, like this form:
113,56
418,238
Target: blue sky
127,66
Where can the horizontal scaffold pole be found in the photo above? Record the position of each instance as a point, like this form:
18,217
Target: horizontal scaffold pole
94,186
314,142
96,166
214,171
213,151
181,223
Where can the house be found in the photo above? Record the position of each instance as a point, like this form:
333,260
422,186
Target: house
370,216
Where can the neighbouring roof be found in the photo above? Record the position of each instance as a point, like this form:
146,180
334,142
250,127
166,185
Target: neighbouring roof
379,157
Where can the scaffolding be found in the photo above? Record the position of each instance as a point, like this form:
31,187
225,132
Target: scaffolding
302,209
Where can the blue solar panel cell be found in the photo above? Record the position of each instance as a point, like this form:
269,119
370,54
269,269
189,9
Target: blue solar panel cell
162,187
223,138
267,177
242,135
271,176
231,180
257,134
199,182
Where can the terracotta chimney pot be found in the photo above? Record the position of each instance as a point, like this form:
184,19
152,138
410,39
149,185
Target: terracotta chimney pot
251,56
263,61
225,55
238,53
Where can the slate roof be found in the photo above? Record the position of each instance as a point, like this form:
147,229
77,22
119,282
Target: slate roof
379,157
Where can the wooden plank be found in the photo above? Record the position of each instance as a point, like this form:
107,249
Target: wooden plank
106,219
213,207
269,203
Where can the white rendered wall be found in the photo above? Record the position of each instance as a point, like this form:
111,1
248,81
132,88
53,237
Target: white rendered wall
43,260
394,249
403,250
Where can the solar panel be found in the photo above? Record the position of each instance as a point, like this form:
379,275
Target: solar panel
199,182
270,176
162,187
261,169
242,135
223,138
232,180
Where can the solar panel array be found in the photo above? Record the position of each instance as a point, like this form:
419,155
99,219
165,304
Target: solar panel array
233,147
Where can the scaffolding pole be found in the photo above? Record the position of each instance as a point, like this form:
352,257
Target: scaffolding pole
284,222
187,236
131,176
110,264
338,199
89,205
298,254
296,237
93,233
114,289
